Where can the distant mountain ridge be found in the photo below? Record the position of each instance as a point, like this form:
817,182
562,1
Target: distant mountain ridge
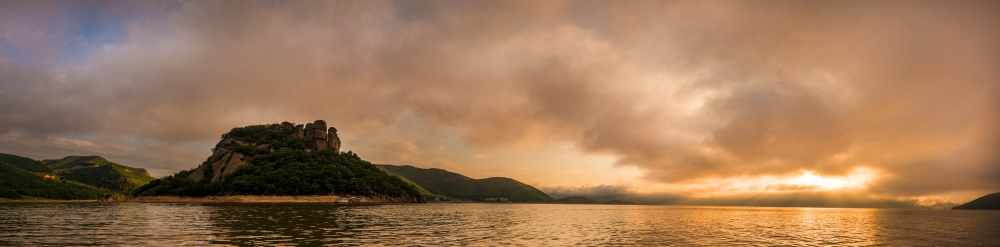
446,183
25,163
76,177
577,200
587,200
99,172
987,202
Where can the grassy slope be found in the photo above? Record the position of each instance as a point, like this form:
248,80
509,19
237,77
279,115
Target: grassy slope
100,172
24,163
16,182
71,161
457,185
423,192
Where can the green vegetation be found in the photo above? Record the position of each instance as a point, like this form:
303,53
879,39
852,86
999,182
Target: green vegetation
99,172
423,192
17,182
577,200
987,202
280,164
273,136
24,163
456,185
298,172
71,161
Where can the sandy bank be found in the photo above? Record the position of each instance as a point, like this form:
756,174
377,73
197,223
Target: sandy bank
260,199
5,200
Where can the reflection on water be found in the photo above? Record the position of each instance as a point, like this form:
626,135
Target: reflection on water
477,224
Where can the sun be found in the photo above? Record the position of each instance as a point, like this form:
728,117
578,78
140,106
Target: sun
857,178
809,178
804,180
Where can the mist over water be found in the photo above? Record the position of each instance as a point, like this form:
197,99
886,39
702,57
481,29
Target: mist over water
26,224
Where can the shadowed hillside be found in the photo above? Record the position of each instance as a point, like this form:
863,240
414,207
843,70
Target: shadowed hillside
24,178
456,185
987,202
577,200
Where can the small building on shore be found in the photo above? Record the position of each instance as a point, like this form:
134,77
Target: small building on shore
352,200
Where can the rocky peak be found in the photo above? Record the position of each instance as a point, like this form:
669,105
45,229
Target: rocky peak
225,159
316,134
333,141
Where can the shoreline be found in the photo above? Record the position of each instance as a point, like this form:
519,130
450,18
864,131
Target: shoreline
229,199
263,199
47,201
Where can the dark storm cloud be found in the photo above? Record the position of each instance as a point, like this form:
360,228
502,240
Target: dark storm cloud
684,90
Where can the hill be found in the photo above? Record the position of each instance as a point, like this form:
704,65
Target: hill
577,200
456,185
987,202
25,163
99,172
282,159
16,182
427,195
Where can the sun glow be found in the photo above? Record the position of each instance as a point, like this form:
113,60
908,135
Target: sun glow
811,179
801,181
857,178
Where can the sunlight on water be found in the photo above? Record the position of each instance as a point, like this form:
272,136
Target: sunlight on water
477,224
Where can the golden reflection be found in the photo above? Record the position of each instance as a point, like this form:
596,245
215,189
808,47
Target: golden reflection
854,226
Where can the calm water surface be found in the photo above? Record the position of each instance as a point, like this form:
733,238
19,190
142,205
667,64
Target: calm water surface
28,224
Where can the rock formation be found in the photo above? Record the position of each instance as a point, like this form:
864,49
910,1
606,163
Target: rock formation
334,141
225,160
315,133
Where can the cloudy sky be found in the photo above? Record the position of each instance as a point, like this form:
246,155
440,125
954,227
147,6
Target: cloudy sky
867,100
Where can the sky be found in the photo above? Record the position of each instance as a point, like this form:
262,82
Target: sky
843,103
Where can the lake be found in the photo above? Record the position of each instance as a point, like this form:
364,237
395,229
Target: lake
168,224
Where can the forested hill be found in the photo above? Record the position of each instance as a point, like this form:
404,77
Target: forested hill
25,178
282,159
459,186
99,172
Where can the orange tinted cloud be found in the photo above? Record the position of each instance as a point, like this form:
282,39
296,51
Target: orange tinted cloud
683,90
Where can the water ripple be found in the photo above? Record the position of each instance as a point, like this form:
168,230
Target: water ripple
165,224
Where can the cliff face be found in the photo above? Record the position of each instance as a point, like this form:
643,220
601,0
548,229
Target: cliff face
318,134
226,159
